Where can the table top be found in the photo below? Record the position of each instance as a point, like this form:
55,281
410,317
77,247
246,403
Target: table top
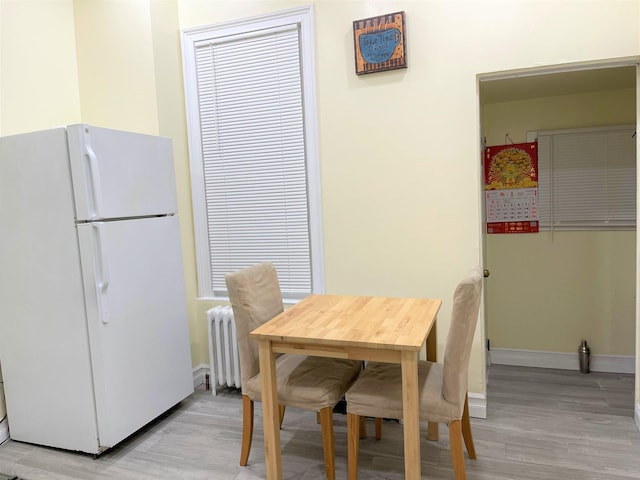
357,321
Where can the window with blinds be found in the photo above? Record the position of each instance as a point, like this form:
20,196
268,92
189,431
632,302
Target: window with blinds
251,119
587,179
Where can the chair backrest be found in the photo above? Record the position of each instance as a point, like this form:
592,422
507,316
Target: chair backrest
256,298
464,317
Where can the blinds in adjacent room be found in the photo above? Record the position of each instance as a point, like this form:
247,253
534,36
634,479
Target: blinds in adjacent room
587,178
253,149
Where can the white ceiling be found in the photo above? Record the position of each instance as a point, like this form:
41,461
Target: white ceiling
555,84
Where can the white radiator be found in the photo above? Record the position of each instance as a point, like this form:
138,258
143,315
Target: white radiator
224,360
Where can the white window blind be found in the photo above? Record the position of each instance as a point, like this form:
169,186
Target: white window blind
253,147
587,179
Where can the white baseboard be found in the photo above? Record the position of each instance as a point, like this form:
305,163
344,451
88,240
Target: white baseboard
477,405
637,416
199,374
561,360
4,430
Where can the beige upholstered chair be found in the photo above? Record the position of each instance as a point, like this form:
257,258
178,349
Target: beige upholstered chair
309,383
442,387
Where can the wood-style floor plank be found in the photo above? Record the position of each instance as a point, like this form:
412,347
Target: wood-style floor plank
541,425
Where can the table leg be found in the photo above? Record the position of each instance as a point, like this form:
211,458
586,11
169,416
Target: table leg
411,414
273,455
432,343
432,356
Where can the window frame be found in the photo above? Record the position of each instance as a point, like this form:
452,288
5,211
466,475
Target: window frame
304,18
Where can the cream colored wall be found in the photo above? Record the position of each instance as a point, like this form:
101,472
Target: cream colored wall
399,150
38,66
548,291
116,64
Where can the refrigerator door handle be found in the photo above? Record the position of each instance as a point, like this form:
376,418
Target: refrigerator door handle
94,173
103,272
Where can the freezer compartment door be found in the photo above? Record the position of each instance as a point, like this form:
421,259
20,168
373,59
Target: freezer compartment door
120,174
136,313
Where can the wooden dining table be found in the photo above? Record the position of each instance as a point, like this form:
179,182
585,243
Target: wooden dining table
381,329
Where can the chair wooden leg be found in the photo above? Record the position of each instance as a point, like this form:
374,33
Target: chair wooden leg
363,427
247,429
432,431
354,423
455,441
281,409
378,424
466,430
326,421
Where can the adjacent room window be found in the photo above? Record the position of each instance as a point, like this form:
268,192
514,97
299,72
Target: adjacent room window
253,149
587,179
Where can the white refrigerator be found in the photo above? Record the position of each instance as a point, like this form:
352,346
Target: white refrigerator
94,341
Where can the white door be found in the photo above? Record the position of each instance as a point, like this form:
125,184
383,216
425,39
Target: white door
137,321
120,174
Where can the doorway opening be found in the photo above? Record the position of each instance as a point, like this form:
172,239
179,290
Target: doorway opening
547,291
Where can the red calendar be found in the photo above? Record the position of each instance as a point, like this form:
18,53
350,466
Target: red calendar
511,188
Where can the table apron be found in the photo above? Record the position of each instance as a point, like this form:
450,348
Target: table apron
348,352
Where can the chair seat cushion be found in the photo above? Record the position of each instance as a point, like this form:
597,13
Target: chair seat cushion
378,393
310,383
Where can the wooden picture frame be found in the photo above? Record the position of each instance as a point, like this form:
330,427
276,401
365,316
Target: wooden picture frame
380,43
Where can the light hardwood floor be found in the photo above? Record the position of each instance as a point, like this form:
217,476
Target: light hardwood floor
541,424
